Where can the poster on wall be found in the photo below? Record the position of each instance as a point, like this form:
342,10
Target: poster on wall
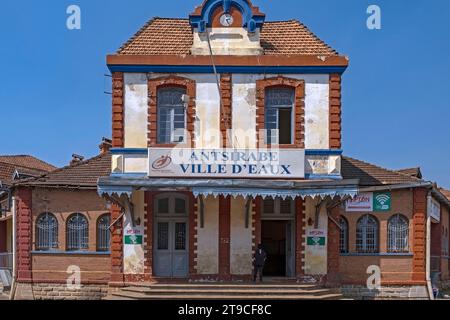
361,203
382,201
316,238
133,236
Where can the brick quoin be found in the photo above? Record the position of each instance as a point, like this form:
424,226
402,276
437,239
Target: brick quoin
299,86
148,235
169,81
419,234
117,277
24,234
226,112
224,238
333,252
299,237
118,110
335,112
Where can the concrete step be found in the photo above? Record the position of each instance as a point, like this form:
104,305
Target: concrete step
187,286
139,296
227,291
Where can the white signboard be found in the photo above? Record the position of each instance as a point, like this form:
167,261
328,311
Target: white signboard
361,203
227,163
434,210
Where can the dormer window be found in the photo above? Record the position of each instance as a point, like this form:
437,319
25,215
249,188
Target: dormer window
171,115
280,102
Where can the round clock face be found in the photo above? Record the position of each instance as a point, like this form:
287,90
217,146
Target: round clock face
226,20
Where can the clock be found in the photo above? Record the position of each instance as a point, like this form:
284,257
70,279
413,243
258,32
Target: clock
226,20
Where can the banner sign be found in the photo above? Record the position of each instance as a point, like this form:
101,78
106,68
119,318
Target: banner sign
316,238
226,163
361,203
370,202
133,240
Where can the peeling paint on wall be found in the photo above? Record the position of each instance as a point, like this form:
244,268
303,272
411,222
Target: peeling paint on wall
208,239
241,239
133,259
136,110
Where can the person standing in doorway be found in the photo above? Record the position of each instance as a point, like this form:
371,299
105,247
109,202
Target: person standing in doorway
259,262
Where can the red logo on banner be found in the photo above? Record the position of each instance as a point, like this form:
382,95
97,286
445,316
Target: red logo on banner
162,163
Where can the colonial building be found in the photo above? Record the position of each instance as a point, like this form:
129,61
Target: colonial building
13,169
227,134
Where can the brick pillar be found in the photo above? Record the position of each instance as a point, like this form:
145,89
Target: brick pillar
226,116
148,235
335,112
300,237
24,234
419,234
333,253
193,222
257,211
117,277
118,110
224,238
2,236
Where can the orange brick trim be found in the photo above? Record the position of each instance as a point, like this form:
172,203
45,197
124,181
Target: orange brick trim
116,246
335,112
24,234
193,207
224,238
300,237
333,252
118,110
256,224
226,113
419,234
153,86
299,126
148,235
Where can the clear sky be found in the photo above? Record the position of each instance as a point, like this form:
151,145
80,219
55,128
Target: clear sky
395,92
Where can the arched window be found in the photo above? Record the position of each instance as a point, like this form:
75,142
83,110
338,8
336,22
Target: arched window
343,240
367,235
398,234
280,102
77,233
171,115
103,233
46,232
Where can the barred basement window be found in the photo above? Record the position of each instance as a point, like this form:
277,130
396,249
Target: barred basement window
343,239
103,234
171,115
46,232
278,115
77,233
367,233
398,234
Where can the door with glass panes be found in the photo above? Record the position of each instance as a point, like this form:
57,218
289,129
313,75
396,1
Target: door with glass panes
171,255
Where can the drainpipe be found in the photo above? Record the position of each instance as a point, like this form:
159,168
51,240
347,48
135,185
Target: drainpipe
14,248
428,250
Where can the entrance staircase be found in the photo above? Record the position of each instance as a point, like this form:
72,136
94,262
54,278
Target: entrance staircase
223,291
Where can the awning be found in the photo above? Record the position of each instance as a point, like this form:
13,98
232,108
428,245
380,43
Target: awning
120,185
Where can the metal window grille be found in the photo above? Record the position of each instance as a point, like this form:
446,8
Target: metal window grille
180,236
103,233
343,239
367,231
278,100
77,233
285,206
163,236
398,234
46,232
269,206
171,116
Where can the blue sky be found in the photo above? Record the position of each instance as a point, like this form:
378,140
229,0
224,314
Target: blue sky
396,112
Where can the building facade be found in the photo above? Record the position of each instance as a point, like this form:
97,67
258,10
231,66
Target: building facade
226,134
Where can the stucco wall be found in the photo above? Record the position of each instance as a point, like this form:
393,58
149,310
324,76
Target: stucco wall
208,239
136,110
241,239
133,255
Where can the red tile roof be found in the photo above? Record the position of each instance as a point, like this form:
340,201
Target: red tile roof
24,164
446,193
83,175
372,175
413,172
166,36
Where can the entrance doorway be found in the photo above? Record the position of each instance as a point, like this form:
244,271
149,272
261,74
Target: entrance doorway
277,241
171,252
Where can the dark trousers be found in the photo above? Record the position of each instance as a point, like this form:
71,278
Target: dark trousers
258,270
